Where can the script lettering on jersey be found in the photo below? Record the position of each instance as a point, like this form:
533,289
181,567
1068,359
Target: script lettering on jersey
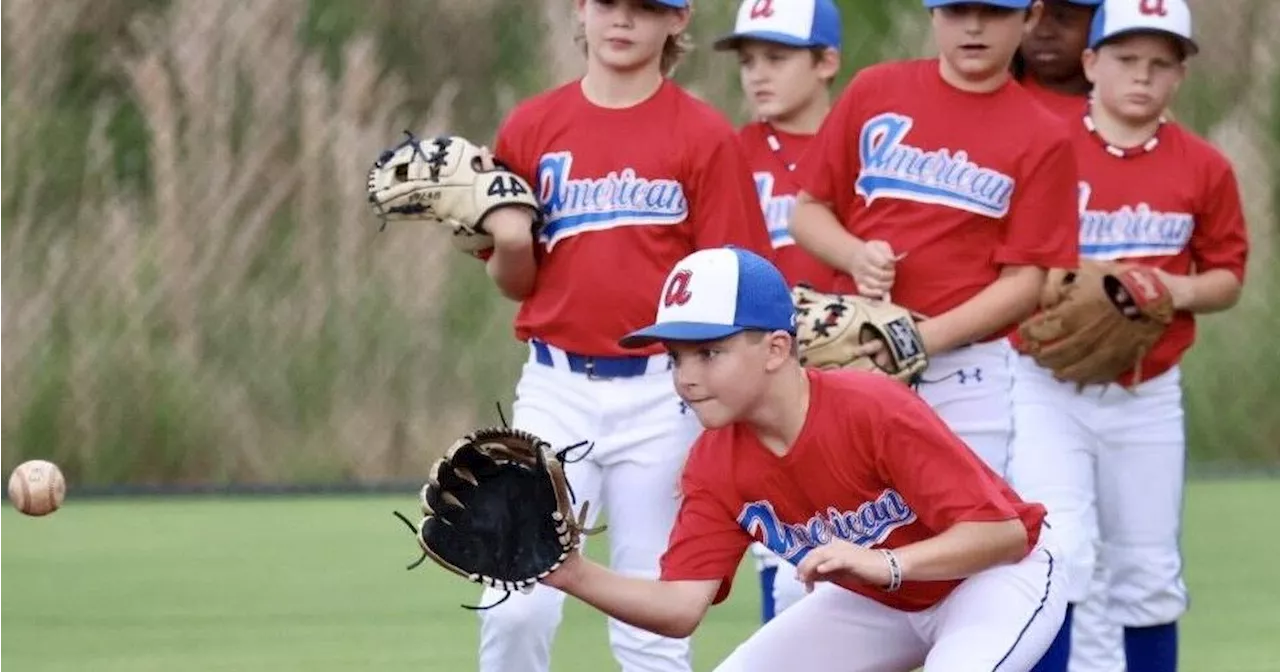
1131,231
621,198
893,169
777,210
867,525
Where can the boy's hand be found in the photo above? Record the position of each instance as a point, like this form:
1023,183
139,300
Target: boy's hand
872,267
841,559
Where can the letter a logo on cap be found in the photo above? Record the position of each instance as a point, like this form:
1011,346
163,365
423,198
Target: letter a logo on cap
1152,8
762,9
678,293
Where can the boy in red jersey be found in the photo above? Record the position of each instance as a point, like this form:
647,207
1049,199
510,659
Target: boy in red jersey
1152,193
788,53
632,174
921,555
944,181
1048,62
1049,67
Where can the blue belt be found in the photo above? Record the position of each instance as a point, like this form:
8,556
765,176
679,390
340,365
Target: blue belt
597,367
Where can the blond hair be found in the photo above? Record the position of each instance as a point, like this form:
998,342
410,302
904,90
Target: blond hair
673,50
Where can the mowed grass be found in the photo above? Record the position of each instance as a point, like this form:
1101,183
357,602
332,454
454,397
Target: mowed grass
318,584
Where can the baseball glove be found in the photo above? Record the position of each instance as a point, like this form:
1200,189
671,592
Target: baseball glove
498,510
447,181
1109,317
830,326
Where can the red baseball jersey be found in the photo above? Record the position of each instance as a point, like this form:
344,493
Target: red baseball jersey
625,194
1176,207
873,465
962,183
1067,107
773,167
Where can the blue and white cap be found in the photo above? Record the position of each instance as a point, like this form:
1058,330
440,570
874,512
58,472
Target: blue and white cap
1120,17
795,23
1007,4
716,293
675,4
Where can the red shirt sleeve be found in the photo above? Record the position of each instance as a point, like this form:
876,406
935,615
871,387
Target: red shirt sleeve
706,543
828,167
1043,226
1220,238
723,203
920,457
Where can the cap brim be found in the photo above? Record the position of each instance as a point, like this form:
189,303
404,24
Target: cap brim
730,42
678,331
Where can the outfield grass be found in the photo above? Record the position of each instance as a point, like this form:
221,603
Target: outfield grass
317,584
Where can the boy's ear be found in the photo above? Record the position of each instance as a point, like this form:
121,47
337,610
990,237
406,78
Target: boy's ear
829,64
1089,62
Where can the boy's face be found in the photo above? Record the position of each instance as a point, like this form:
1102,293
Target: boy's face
779,80
1136,76
626,35
978,41
1054,44
722,380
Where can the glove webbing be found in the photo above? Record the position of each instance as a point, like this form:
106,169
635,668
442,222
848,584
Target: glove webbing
434,161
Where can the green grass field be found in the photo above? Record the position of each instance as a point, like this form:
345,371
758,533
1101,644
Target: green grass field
318,584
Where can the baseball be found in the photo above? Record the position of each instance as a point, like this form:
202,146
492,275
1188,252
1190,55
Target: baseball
36,487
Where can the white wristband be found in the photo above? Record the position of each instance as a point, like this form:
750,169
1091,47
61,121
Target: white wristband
895,570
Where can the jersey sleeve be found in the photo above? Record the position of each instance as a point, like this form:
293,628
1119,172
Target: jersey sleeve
941,478
827,169
1043,225
706,542
723,202
1220,238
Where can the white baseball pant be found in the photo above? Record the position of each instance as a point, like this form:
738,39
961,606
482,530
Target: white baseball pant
1000,619
642,434
1123,452
970,389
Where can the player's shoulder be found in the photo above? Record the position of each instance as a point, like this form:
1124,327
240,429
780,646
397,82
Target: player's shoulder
860,394
696,118
1194,149
1045,125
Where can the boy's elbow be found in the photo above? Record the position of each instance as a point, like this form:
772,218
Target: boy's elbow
1015,540
680,626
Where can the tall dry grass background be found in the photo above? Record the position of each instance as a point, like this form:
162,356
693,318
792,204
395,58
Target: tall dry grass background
194,290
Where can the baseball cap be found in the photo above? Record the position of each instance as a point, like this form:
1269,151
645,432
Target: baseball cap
716,293
795,23
676,4
1007,4
1121,17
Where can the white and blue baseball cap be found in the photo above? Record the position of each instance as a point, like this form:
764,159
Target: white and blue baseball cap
1007,4
716,293
794,23
1122,17
675,4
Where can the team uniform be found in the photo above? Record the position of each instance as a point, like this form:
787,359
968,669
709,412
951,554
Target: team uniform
963,184
1110,458
625,194
876,467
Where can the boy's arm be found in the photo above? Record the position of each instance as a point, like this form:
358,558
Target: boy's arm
1012,297
668,608
815,227
512,264
1219,250
1208,292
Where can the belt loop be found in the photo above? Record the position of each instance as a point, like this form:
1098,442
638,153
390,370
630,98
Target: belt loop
541,353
